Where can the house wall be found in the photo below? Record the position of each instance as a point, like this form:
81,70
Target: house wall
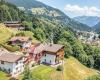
15,69
18,68
50,59
6,66
37,57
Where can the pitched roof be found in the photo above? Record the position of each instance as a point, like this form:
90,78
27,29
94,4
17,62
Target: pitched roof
11,22
22,39
53,47
39,49
13,25
7,57
3,51
48,48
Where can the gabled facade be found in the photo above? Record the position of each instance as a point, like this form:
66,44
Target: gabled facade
12,64
54,54
48,54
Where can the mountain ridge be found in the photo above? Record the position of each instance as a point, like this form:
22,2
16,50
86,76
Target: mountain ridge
97,27
44,11
88,20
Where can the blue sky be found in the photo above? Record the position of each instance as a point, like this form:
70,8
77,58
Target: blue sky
76,7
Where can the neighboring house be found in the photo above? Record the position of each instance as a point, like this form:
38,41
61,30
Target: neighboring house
3,51
12,63
23,42
51,54
34,51
38,52
14,24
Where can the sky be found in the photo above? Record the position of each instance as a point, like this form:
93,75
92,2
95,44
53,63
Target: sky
75,8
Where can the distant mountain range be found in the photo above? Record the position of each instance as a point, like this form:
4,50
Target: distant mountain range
44,11
97,27
88,20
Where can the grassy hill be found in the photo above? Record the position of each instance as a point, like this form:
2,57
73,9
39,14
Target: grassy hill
5,33
73,70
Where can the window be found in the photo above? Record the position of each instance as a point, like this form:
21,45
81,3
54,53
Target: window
50,61
17,68
2,62
57,56
16,63
45,60
9,70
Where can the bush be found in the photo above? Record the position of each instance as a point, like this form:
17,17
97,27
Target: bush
33,65
60,68
11,48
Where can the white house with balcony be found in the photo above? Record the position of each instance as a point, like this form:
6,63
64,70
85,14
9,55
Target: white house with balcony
12,64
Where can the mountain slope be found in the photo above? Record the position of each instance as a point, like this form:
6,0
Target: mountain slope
9,12
97,27
5,33
28,4
74,70
88,20
43,11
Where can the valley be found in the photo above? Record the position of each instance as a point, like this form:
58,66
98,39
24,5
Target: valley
39,42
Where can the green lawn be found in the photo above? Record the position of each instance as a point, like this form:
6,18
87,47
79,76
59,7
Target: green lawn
43,72
47,73
3,76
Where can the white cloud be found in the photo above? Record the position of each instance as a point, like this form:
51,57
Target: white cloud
88,11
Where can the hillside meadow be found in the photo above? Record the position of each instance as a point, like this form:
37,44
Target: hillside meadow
5,33
73,70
